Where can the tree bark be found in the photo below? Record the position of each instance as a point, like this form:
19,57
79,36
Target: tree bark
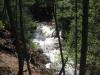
13,28
21,63
63,66
20,47
59,40
84,45
7,4
75,71
24,50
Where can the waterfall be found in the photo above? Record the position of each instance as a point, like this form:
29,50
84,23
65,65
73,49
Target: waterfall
45,38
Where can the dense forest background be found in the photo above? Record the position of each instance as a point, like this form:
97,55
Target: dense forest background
77,20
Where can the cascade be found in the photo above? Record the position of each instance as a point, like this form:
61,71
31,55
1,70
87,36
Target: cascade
45,38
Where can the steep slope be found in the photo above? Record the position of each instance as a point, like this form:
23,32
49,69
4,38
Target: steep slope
9,60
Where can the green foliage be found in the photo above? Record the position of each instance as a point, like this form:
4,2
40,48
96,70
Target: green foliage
2,26
66,8
29,29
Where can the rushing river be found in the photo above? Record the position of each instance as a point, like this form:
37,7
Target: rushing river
44,37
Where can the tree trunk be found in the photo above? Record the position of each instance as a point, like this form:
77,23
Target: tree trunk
84,47
63,66
75,72
21,63
7,4
59,40
13,28
28,66
24,50
20,47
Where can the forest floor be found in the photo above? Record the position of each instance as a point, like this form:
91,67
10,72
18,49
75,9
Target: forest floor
9,65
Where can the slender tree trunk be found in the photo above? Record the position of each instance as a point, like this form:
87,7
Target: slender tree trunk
59,40
24,50
28,66
20,54
21,63
84,47
7,4
63,66
75,72
13,28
